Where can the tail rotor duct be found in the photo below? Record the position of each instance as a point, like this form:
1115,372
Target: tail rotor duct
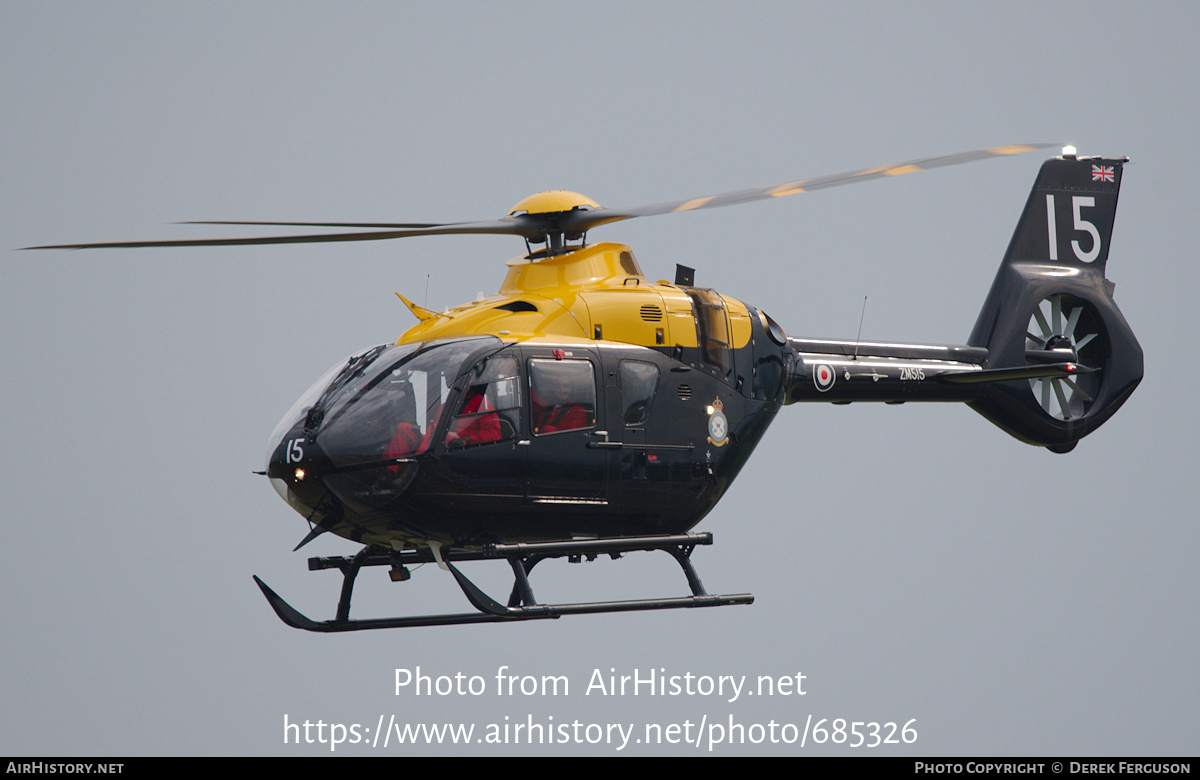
1065,323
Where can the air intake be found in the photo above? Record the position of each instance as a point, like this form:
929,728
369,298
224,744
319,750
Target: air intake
652,313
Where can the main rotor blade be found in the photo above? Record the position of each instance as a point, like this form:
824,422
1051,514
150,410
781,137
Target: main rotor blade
585,220
320,224
538,227
518,226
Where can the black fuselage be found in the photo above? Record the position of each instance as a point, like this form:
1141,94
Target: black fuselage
664,433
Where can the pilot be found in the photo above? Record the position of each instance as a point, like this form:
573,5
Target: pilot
404,441
407,436
407,439
562,408
471,427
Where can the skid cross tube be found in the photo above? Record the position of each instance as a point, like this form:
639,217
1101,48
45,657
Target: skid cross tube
522,605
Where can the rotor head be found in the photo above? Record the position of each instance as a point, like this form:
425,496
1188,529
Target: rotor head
552,202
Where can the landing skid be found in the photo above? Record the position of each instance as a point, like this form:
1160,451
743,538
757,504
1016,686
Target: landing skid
521,603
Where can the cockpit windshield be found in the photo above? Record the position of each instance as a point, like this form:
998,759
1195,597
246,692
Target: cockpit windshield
318,390
386,401
393,408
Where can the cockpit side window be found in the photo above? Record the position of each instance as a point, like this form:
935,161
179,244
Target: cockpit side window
491,407
562,395
638,382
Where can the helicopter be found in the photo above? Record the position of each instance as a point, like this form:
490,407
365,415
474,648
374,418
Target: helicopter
585,411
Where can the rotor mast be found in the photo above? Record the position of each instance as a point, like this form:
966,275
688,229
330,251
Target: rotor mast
554,208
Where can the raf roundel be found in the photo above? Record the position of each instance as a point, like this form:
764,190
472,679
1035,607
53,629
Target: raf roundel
823,376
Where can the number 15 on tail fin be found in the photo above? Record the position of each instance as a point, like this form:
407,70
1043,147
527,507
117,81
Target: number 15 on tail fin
1069,217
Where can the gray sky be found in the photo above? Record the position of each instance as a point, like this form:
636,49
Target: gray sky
911,562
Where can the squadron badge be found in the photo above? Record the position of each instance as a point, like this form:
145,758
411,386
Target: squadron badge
718,426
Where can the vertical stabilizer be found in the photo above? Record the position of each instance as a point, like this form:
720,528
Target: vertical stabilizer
1051,301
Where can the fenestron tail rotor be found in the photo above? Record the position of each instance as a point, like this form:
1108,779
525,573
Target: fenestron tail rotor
568,220
1065,324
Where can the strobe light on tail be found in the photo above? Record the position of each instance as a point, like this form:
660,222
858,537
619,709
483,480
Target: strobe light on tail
1050,358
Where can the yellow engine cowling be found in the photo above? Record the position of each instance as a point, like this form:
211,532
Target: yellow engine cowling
596,292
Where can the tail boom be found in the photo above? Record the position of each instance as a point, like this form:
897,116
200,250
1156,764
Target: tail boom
841,372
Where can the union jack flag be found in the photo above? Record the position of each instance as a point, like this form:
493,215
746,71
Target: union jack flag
1103,173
